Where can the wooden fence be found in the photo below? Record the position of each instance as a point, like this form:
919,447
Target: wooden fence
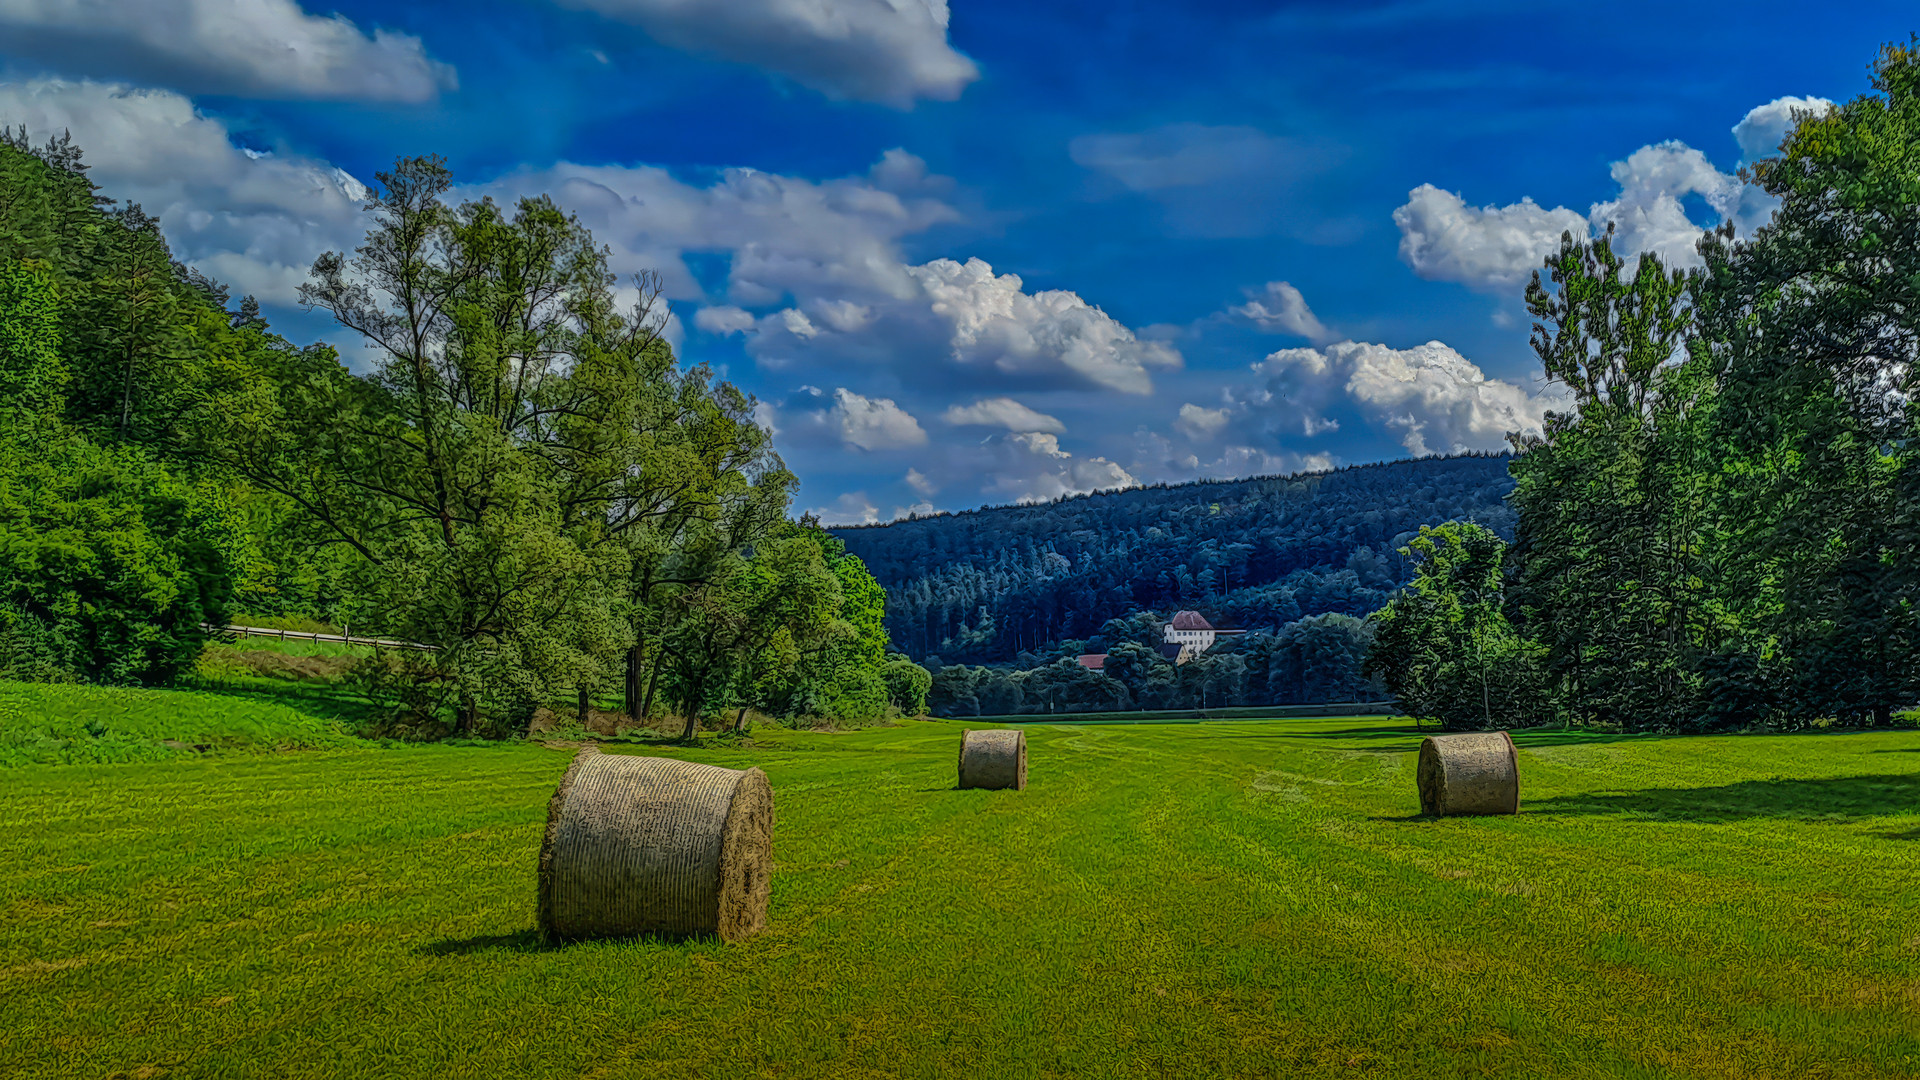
305,635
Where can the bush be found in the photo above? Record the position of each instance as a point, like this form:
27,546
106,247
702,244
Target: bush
109,565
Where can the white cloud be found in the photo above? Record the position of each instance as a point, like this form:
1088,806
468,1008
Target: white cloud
1648,211
1014,466
260,48
997,324
1435,399
1444,239
1278,308
843,418
889,51
962,322
786,236
1003,412
723,320
254,220
1030,467
1495,248
1761,131
851,508
1199,423
874,423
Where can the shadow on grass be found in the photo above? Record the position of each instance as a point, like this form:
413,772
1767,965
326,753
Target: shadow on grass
530,941
336,704
1804,800
522,941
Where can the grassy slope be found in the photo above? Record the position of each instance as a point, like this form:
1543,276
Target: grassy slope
1226,899
57,725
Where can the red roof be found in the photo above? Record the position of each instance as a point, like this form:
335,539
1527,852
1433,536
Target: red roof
1095,661
1190,620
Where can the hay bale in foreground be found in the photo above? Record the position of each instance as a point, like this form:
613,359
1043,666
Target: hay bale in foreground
993,759
1472,773
645,845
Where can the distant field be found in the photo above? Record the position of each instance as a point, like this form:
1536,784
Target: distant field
1176,716
1248,899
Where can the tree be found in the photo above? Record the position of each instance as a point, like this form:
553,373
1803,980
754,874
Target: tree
1612,495
907,685
1813,328
1443,648
438,468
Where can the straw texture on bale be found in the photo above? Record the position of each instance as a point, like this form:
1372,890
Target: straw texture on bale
993,759
645,845
1472,773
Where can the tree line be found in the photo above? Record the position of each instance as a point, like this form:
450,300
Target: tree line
520,473
1724,530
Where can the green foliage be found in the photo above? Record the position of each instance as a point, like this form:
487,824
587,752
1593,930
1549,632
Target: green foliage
1444,649
907,685
109,564
33,377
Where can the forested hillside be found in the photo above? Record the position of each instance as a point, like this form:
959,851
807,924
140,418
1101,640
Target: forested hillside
985,585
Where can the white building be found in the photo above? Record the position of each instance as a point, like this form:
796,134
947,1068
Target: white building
1190,628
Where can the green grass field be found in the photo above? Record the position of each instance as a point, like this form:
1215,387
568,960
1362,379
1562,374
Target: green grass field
1249,899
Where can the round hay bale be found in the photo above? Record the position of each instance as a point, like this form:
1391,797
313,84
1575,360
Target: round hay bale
645,845
993,759
1472,773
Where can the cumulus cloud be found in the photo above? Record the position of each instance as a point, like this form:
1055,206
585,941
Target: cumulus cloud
260,48
785,236
1649,213
723,320
1431,397
1217,181
255,220
888,51
847,419
918,481
1003,412
1199,423
997,324
1030,466
1278,308
874,423
1494,248
961,322
1762,130
851,508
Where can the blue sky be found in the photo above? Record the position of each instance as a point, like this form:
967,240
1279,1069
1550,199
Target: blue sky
1001,251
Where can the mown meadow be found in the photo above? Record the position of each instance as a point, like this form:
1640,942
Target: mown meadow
1221,899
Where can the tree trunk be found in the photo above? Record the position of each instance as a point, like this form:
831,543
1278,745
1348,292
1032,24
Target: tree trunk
469,718
693,712
740,719
585,707
631,694
653,681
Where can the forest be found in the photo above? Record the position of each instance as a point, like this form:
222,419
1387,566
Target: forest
525,479
1296,562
